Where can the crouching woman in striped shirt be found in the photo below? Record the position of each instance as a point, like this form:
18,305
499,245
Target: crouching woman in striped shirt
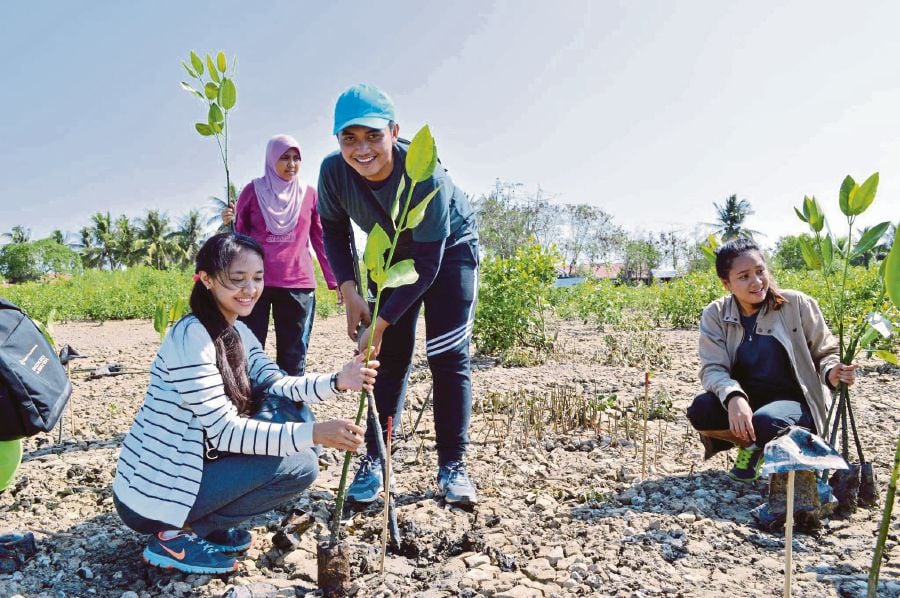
201,401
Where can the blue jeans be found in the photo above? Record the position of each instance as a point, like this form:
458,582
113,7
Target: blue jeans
236,487
771,415
293,311
449,313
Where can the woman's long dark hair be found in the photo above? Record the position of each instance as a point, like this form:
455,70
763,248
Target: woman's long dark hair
214,257
730,251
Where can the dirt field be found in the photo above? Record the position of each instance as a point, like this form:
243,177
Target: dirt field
563,513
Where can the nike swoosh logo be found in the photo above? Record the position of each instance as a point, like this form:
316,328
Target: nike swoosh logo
178,555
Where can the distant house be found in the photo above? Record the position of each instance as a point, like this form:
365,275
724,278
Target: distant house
664,274
611,270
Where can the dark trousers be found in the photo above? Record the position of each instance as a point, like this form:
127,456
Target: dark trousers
449,313
293,311
771,415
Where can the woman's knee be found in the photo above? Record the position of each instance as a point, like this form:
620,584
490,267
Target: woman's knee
299,470
702,410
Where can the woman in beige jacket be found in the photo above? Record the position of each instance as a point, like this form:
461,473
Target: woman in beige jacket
767,361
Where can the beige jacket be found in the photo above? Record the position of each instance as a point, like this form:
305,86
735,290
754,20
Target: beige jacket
798,325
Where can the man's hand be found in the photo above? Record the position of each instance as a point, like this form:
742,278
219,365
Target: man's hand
356,307
740,419
377,332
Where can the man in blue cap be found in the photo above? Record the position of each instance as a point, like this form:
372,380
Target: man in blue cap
358,183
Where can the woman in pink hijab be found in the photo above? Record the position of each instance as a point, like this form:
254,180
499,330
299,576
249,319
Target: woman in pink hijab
279,211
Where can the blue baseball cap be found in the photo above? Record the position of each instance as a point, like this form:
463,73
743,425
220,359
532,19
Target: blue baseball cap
363,105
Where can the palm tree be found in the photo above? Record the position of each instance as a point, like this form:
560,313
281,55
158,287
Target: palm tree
215,211
18,234
126,241
189,236
103,242
731,215
160,247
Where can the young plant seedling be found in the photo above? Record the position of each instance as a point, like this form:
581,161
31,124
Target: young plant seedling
163,316
856,332
220,96
421,160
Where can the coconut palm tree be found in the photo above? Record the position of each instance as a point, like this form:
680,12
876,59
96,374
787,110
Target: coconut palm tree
18,234
160,248
189,236
731,215
127,242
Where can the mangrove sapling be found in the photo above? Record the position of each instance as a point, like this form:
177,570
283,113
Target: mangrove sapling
220,96
421,160
856,332
892,285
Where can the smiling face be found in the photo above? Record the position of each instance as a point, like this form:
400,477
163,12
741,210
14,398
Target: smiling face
370,152
288,165
748,281
237,290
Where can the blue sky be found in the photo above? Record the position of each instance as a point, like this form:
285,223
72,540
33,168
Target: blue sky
649,110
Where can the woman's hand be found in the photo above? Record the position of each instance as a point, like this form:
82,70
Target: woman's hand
228,215
341,434
356,375
740,419
356,307
842,373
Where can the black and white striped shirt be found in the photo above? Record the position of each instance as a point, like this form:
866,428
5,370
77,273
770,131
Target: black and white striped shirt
161,463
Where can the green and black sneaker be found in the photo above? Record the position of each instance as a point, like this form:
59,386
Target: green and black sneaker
747,465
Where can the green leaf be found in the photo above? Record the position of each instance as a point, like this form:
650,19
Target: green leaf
395,207
204,129
220,61
376,244
422,156
189,69
215,114
862,197
810,256
190,89
401,274
378,276
887,356
213,73
892,270
844,195
800,215
216,127
159,320
196,63
417,214
229,94
709,253
870,238
814,213
211,90
826,248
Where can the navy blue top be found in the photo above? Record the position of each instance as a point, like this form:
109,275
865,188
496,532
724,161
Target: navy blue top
763,368
344,195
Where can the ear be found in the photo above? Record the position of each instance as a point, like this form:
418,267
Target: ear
725,284
395,133
205,279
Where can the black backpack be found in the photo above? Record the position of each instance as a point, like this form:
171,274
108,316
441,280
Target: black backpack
34,388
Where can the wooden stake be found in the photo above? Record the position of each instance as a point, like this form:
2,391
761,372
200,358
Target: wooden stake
789,535
387,490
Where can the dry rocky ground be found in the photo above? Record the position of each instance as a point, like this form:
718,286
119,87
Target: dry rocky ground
563,512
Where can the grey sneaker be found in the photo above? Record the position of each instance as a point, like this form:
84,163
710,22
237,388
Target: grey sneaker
367,482
454,484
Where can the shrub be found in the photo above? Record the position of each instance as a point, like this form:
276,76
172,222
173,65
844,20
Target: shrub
512,300
680,302
23,262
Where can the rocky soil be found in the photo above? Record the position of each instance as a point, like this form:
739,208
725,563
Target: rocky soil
564,510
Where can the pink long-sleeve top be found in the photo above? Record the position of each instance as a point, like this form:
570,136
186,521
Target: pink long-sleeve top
288,262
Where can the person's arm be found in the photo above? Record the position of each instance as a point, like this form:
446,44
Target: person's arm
427,261
242,209
190,363
715,366
337,234
315,238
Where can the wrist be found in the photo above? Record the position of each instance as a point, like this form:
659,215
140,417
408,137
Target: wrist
381,324
348,286
336,383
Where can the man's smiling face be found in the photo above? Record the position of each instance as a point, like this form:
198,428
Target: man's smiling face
370,152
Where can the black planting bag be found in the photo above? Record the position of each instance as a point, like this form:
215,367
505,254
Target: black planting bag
34,388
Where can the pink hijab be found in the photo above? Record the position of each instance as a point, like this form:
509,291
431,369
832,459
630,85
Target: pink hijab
279,200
